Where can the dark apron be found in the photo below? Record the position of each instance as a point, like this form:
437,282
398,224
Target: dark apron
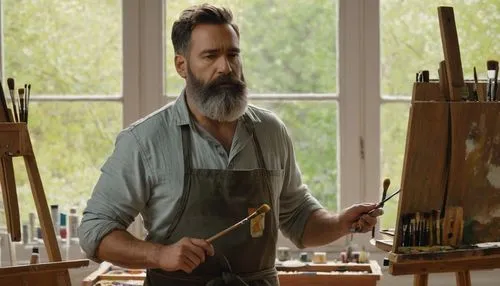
213,200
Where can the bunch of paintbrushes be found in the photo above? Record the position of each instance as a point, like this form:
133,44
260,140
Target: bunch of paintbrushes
422,229
491,87
19,99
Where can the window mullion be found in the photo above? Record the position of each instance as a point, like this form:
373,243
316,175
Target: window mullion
372,99
143,58
1,42
350,63
131,61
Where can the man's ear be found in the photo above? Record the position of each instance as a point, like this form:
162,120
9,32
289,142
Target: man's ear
181,65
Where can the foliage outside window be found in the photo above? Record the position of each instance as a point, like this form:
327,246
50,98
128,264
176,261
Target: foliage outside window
288,47
65,48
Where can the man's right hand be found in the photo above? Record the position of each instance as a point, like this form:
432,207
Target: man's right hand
186,254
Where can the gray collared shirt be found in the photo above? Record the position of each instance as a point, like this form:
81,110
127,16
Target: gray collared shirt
145,173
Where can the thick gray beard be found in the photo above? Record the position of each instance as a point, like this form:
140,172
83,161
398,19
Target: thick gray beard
222,107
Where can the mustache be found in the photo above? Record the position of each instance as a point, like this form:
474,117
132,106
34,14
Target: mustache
227,80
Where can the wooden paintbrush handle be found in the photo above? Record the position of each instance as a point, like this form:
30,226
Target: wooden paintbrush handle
227,230
261,210
234,226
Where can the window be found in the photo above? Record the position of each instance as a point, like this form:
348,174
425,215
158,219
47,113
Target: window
411,42
317,64
71,53
289,58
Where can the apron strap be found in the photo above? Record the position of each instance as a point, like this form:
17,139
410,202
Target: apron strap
186,151
260,159
250,129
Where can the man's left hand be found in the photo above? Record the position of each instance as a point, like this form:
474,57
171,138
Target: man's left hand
356,217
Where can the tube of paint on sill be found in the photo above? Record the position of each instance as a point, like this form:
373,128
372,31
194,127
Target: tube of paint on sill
73,221
39,234
63,231
25,234
54,211
32,229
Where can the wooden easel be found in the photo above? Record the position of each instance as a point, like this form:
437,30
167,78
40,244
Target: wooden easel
15,142
451,145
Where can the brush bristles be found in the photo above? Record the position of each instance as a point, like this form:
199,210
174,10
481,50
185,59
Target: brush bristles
10,83
387,183
263,209
492,65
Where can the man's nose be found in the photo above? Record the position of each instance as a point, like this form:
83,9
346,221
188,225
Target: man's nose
224,66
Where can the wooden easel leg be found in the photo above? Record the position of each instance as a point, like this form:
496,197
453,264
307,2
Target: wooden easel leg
421,280
44,216
10,198
463,278
49,235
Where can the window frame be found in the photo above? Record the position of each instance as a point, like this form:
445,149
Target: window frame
358,95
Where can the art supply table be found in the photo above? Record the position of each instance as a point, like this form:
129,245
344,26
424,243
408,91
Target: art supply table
359,274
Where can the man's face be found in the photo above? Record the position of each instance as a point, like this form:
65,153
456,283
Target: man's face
214,77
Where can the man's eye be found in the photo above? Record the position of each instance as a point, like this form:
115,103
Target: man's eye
210,57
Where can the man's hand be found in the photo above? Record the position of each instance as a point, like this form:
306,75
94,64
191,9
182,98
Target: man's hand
185,255
356,216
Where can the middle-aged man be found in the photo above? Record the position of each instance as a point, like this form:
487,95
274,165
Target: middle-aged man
199,165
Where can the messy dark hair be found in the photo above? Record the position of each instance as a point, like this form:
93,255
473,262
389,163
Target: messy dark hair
196,15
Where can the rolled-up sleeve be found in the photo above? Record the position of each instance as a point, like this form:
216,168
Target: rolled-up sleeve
296,202
119,195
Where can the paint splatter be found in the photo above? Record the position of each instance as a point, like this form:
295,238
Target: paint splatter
470,144
493,175
485,219
469,147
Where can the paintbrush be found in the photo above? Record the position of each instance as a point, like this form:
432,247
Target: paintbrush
474,89
356,226
3,101
381,204
495,82
21,105
11,84
261,210
386,184
492,67
25,99
28,99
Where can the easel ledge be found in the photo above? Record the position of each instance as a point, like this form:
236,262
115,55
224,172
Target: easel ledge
457,260
41,267
43,274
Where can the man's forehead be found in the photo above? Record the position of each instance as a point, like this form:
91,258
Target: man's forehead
214,36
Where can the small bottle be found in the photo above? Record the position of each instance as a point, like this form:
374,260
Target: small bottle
25,234
363,255
54,210
73,221
35,256
39,234
62,230
32,229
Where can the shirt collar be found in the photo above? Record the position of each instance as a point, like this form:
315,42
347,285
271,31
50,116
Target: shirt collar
182,116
